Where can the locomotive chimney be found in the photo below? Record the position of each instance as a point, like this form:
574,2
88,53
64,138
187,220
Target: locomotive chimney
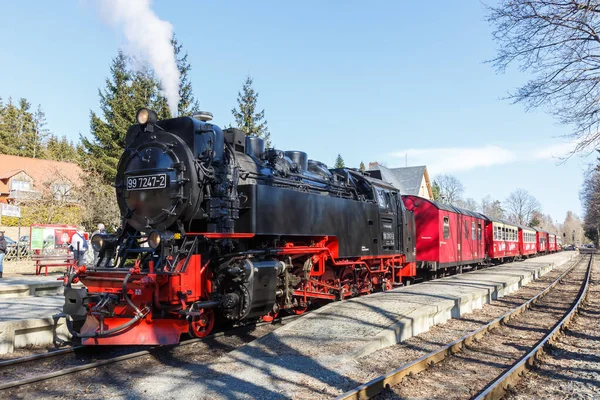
203,116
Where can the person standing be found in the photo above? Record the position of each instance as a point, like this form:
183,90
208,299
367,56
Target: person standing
2,250
79,246
100,231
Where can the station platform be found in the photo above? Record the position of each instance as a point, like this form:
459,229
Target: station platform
30,286
26,309
312,351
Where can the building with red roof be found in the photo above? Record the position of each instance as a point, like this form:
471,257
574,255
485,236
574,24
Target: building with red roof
23,178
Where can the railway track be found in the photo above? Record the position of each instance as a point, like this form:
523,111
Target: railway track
14,366
387,385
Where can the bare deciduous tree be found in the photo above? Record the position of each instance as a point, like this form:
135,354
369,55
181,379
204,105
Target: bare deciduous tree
468,204
590,198
520,207
99,202
572,229
451,189
559,43
492,208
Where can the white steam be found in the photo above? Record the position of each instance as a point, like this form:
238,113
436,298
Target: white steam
151,38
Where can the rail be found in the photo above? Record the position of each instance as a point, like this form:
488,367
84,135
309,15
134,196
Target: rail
379,384
79,368
504,382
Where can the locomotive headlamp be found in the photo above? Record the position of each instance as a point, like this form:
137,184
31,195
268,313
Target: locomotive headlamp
97,243
145,116
154,239
101,242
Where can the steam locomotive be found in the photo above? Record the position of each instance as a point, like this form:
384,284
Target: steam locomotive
216,225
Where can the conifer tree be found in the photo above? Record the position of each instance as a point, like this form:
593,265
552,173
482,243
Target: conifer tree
246,118
5,133
188,104
119,102
9,143
25,140
61,149
39,134
362,166
339,162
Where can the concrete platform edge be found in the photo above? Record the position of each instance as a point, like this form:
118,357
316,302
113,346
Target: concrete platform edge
424,318
30,332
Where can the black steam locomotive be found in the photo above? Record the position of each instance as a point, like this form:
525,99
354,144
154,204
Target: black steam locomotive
214,223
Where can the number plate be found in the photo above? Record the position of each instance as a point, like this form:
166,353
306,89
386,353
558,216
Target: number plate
158,181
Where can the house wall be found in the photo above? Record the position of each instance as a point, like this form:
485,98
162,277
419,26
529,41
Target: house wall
423,191
20,177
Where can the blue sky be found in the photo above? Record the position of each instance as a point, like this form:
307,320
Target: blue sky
372,83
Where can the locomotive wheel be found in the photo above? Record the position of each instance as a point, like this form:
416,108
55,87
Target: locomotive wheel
347,281
389,282
364,281
328,278
202,325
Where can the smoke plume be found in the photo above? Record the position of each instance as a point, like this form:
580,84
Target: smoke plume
151,38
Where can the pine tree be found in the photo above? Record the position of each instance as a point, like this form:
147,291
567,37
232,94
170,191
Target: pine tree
188,104
40,133
6,134
362,166
61,149
118,105
246,118
437,191
25,143
339,162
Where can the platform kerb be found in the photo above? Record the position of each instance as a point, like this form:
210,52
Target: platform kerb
27,320
384,319
30,332
422,319
22,287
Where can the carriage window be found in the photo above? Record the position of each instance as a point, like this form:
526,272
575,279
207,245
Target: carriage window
446,227
478,231
466,224
503,234
472,230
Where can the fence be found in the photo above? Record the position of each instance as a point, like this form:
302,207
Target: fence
13,254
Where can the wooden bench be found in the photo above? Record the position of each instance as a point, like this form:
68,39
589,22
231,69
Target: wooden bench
52,260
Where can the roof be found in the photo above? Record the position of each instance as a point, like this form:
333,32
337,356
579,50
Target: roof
451,208
407,179
10,174
39,170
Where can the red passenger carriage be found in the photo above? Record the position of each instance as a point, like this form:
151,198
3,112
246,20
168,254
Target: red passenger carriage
502,240
542,241
527,241
448,237
551,243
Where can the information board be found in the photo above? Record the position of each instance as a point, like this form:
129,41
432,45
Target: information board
8,210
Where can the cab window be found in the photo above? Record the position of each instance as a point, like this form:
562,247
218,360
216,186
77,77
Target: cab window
446,228
383,198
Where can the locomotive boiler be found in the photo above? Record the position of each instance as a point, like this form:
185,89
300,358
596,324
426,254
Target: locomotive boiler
215,224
